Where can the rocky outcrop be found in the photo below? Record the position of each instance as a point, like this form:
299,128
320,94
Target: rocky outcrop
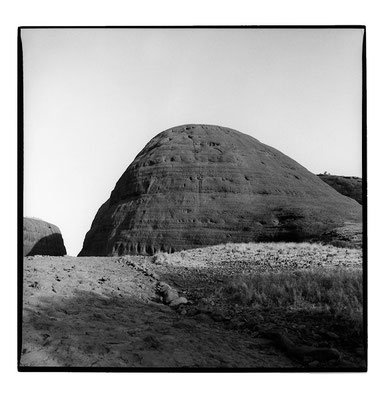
42,238
350,186
201,185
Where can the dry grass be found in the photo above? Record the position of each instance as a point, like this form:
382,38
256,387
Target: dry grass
332,290
337,292
278,277
310,291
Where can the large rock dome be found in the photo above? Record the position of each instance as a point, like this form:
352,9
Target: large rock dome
42,238
201,185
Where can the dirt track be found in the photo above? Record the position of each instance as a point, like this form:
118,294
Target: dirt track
102,312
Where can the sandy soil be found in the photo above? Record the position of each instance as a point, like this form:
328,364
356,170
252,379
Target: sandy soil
104,312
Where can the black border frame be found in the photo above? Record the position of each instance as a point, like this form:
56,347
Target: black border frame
20,203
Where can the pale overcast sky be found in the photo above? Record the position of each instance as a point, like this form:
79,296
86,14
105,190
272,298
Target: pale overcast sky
93,98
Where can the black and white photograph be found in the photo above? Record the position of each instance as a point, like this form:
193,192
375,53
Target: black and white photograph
193,199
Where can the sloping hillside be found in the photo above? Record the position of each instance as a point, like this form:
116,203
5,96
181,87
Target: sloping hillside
350,186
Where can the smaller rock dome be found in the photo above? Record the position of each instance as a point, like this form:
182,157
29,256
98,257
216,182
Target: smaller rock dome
42,238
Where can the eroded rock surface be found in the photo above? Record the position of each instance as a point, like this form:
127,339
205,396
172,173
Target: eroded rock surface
201,185
42,238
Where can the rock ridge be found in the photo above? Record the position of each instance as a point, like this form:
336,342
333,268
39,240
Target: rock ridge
350,186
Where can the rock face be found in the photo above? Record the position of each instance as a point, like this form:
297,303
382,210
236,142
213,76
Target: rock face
200,185
42,238
350,186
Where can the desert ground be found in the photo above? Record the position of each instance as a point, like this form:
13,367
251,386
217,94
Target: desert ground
255,306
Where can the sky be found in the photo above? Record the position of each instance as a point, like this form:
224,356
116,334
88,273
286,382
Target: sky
93,98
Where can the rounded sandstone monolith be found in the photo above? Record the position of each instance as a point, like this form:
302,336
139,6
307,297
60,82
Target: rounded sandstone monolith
201,185
42,238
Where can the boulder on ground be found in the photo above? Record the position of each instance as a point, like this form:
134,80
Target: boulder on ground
177,302
167,293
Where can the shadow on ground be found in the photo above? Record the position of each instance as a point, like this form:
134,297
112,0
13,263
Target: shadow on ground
92,330
85,328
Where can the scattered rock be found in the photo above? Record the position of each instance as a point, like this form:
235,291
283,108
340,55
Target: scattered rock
332,335
167,293
154,276
178,301
35,285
